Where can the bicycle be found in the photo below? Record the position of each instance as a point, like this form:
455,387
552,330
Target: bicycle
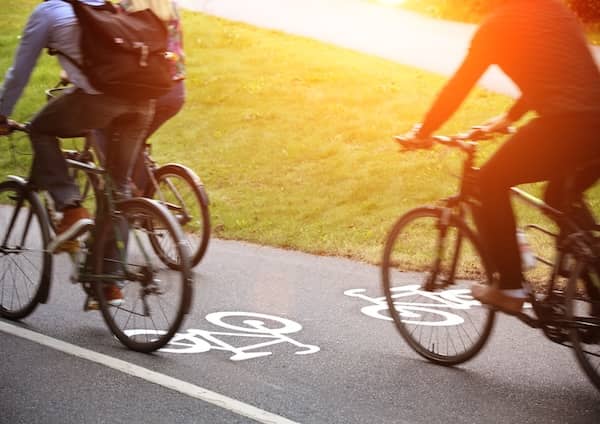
437,249
175,186
154,296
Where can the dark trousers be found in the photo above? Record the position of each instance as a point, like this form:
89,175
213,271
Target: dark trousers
167,106
164,108
72,115
546,149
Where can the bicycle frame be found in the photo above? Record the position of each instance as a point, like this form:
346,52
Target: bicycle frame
577,243
458,206
84,161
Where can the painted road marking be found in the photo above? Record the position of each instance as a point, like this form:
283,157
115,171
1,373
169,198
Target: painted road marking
420,305
180,386
265,330
436,306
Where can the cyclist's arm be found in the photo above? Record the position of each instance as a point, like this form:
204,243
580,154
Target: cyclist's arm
479,58
453,94
33,40
517,110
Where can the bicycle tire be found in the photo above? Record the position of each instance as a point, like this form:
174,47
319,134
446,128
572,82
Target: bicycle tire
180,189
24,237
420,318
148,286
583,315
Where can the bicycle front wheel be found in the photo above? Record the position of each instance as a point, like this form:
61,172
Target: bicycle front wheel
583,316
427,271
25,265
154,297
182,193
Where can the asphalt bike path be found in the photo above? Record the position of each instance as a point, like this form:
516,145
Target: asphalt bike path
297,337
327,361
59,389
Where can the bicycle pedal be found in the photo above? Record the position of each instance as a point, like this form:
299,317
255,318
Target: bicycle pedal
70,246
559,338
527,319
590,336
67,241
521,316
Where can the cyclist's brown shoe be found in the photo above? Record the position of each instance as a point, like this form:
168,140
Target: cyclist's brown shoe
113,294
493,296
74,223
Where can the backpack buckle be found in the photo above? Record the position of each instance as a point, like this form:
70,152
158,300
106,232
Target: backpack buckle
144,52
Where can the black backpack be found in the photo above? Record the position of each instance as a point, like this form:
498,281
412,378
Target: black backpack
124,54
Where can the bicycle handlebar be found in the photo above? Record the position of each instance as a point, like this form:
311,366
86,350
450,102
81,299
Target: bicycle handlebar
18,126
463,141
60,86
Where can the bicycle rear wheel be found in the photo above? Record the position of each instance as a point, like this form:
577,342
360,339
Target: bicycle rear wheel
182,193
583,315
427,272
155,298
25,265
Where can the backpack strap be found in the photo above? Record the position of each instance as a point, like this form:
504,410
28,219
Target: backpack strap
53,52
106,6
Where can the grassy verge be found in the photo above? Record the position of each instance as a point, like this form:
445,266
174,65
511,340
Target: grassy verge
292,137
452,10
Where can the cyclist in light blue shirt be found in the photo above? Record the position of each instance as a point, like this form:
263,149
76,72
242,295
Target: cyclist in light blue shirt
54,25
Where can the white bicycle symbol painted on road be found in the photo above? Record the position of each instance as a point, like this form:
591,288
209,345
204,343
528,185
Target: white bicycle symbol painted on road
251,325
411,312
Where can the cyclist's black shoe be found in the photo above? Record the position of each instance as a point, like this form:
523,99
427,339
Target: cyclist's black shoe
494,297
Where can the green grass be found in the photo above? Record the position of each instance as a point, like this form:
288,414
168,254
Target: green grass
464,11
292,137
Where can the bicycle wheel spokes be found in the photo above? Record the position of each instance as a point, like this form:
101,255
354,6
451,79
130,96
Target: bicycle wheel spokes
583,314
181,193
155,297
24,265
427,277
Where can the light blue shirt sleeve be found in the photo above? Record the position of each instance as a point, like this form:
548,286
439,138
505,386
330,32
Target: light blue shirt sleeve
34,39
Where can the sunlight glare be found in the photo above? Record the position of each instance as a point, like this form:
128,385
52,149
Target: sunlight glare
390,2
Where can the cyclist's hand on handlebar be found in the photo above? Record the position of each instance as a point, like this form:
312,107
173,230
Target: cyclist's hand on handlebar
500,124
412,141
5,128
64,78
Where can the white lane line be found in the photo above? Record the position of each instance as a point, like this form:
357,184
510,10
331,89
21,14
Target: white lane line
180,386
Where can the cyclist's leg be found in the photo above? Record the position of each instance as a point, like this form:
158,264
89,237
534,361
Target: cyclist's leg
538,152
569,197
69,115
122,142
49,168
563,196
166,107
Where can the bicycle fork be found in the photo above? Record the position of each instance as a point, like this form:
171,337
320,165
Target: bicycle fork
443,226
